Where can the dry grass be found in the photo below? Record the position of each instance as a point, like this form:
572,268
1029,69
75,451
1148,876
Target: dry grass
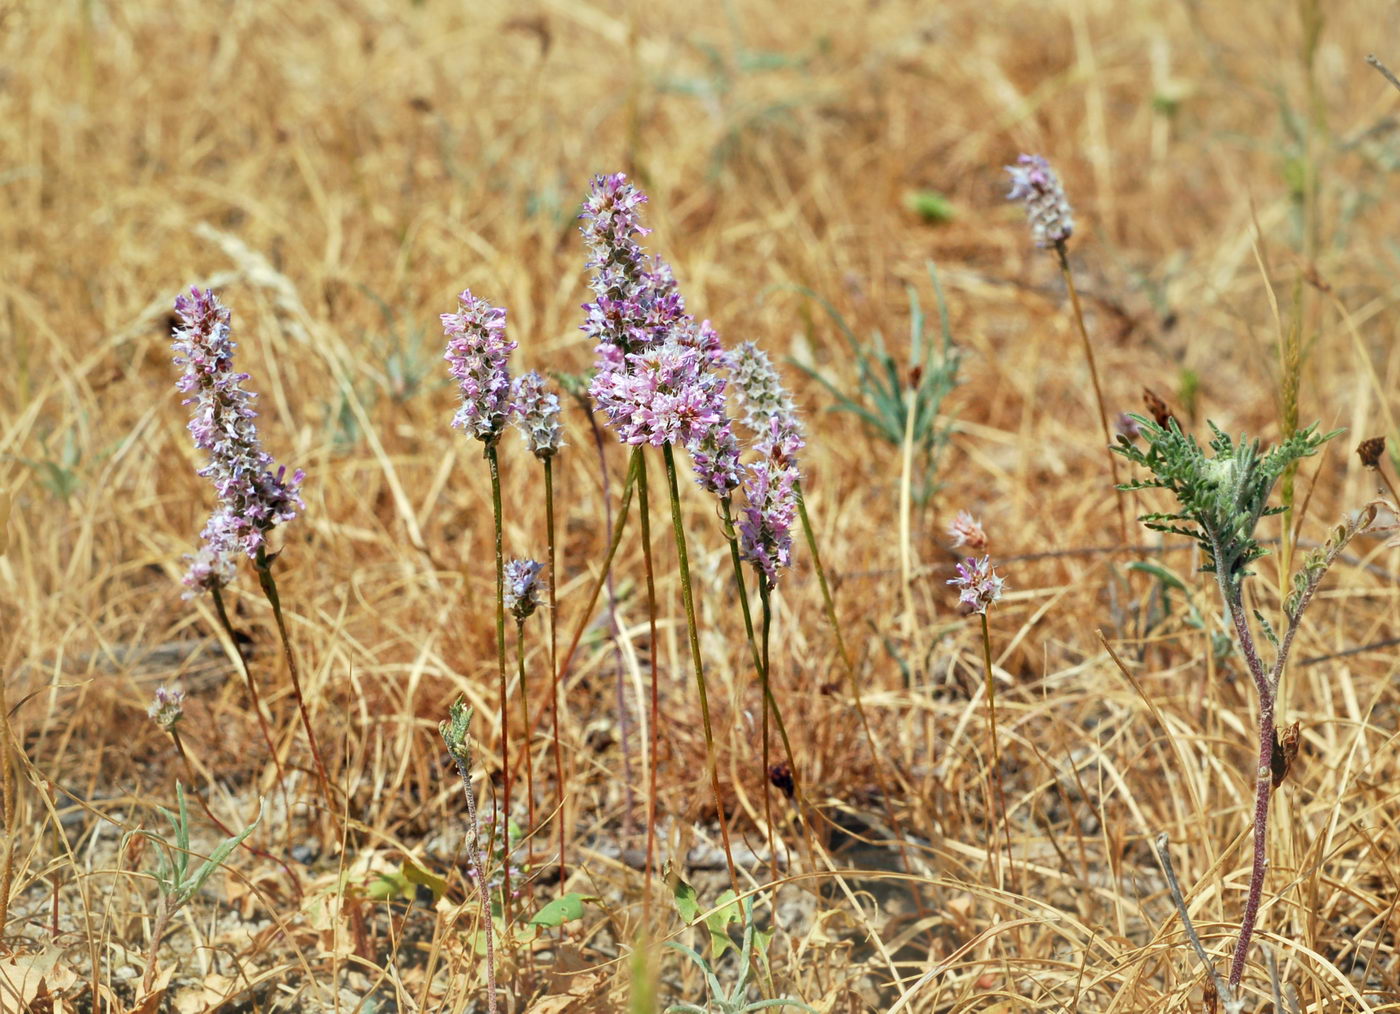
340,170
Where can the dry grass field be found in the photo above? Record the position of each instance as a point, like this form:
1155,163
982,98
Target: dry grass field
338,171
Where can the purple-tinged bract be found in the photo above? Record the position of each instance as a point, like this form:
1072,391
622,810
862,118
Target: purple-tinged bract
536,414
1035,184
477,353
977,583
252,498
523,587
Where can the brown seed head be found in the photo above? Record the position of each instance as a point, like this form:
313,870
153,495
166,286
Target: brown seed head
1370,451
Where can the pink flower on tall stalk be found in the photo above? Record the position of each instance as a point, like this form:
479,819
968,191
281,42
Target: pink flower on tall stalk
765,526
523,587
477,353
252,498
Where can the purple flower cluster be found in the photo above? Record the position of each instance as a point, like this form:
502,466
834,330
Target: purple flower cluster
660,375
523,587
252,499
168,707
765,527
476,354
977,583
1035,184
536,414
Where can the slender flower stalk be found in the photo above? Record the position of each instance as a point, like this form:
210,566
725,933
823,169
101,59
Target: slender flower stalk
654,712
456,736
979,588
522,597
1051,221
536,413
263,564
477,354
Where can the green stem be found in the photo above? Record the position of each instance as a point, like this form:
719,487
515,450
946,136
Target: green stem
554,659
653,726
688,597
760,665
529,761
494,462
618,526
263,565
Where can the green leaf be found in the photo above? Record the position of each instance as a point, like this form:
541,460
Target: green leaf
687,903
422,878
726,911
221,853
387,886
566,908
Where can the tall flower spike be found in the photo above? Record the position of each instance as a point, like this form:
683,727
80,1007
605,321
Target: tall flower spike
477,352
659,374
977,583
523,587
252,499
1035,184
536,413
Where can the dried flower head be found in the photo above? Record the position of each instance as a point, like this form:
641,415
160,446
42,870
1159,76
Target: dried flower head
1370,451
523,587
477,353
536,414
977,583
252,499
1157,409
1035,184
169,707
967,530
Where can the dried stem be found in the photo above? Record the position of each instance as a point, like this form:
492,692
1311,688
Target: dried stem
1224,991
525,738
1063,257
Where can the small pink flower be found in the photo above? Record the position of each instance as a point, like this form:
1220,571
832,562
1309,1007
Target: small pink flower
967,531
978,585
